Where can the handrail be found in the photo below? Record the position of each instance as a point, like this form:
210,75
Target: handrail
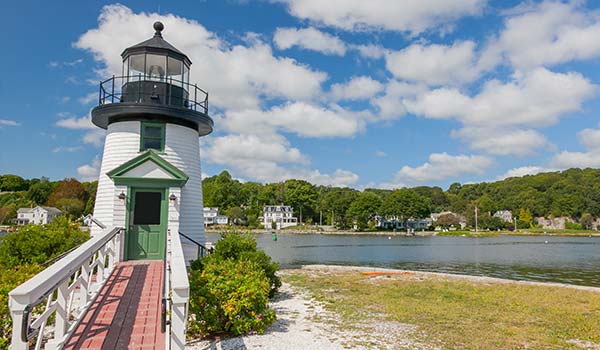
179,294
69,285
203,251
185,95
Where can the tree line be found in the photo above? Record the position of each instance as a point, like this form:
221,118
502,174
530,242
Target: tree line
574,193
72,197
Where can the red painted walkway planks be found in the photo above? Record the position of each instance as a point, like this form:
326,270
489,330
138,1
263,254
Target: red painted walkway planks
126,313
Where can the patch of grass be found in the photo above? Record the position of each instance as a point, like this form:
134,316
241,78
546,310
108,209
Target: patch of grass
462,314
303,228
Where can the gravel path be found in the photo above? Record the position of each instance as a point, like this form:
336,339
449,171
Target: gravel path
303,324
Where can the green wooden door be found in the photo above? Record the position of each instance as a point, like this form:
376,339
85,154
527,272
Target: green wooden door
147,231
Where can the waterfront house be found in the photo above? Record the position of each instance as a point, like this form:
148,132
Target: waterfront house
281,215
38,215
212,217
396,223
504,215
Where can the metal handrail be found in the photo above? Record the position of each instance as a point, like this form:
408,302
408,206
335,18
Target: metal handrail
203,250
111,91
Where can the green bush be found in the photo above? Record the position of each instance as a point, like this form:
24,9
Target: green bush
39,243
229,296
10,279
573,226
230,289
243,247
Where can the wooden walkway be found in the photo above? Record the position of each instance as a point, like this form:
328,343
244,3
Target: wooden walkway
126,313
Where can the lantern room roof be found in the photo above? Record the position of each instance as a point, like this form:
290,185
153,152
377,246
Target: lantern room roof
156,45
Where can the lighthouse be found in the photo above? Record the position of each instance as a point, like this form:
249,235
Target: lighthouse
150,179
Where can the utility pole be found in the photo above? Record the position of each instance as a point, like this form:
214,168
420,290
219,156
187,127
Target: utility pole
320,218
332,218
515,218
476,228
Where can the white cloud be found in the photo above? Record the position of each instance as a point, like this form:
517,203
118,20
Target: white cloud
83,123
8,122
380,154
391,104
502,141
66,149
547,33
236,76
435,64
370,50
413,17
441,166
538,98
262,158
93,136
522,171
310,39
357,88
89,172
89,98
590,138
300,118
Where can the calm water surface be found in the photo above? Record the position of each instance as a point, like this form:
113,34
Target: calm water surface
574,260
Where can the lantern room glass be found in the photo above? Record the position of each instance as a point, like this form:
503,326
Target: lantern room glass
136,67
156,66
174,71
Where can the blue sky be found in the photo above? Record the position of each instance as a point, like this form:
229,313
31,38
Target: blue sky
355,93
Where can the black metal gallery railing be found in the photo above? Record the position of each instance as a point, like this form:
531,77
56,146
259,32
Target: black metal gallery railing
202,250
153,90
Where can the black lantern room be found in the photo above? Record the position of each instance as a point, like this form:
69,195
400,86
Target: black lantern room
154,86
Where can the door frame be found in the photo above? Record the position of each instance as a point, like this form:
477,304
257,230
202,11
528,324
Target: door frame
164,214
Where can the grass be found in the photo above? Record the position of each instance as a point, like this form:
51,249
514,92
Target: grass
459,314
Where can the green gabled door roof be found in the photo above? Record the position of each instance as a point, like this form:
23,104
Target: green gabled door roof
117,174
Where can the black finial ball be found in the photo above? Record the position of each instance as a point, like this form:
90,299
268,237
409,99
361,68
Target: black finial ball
158,26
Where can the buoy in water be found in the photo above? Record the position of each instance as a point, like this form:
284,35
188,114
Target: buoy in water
389,237
545,242
275,237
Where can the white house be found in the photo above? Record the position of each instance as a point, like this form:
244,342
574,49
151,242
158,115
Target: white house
281,215
38,215
504,215
212,217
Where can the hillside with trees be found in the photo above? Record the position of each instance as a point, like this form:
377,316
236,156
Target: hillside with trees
69,195
573,193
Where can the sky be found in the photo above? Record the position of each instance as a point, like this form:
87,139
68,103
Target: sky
378,93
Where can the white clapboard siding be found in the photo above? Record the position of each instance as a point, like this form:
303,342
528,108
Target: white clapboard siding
181,149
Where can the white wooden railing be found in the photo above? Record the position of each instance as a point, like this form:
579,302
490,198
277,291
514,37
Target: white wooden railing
68,287
177,289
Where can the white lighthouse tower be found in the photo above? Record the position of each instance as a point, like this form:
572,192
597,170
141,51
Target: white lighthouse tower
150,180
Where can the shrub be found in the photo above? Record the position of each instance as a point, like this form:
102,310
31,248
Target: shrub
10,279
229,296
243,247
230,288
37,243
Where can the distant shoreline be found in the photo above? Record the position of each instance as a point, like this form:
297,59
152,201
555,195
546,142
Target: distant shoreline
416,234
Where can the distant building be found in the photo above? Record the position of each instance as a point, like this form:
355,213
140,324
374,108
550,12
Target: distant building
434,217
395,223
38,215
504,215
281,215
212,217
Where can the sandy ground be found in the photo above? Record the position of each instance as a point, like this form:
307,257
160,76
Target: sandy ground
303,324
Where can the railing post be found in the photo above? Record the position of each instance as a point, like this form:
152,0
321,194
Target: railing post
112,92
84,288
179,300
195,95
17,312
61,324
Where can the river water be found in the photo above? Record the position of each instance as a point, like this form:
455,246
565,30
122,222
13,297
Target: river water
573,260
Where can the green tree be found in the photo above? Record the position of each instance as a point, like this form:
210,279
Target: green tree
302,196
525,219
448,220
39,192
363,209
11,182
335,204
587,221
404,204
222,191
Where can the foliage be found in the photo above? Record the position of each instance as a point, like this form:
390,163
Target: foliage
448,220
39,192
10,278
229,296
405,203
237,216
69,196
11,182
230,288
587,221
363,209
39,243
